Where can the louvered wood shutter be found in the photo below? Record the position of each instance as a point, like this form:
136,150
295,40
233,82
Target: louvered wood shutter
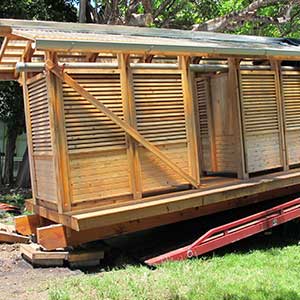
291,98
39,116
44,173
260,120
87,128
161,120
202,101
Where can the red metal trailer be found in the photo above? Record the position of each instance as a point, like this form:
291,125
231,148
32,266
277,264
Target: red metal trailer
234,231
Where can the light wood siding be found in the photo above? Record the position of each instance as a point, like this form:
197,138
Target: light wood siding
99,176
44,174
45,179
161,119
291,97
97,146
223,124
39,116
260,120
202,88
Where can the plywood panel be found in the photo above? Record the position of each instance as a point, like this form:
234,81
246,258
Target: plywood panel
100,175
291,98
260,120
45,178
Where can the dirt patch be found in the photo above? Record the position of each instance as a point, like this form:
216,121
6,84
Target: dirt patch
20,281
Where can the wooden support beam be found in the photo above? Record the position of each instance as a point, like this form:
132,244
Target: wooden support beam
5,30
234,95
27,225
52,237
28,52
190,118
55,69
92,57
66,236
59,140
12,238
3,47
130,117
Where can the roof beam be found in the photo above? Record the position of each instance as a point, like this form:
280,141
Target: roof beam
3,47
5,30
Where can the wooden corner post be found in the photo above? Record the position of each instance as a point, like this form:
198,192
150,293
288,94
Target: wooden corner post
58,133
130,118
234,94
190,117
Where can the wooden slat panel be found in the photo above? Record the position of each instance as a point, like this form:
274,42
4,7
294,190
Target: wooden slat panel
261,121
99,175
39,116
202,99
161,120
155,175
159,102
87,128
291,98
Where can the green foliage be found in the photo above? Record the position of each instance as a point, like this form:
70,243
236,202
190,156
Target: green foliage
257,275
13,199
11,106
49,10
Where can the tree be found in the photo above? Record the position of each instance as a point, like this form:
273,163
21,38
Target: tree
11,103
260,17
12,114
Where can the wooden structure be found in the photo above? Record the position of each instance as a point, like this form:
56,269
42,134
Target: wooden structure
130,128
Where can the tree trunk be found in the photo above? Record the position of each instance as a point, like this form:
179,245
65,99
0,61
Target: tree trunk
23,177
83,11
12,135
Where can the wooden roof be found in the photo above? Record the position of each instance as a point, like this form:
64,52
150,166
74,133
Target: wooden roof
74,41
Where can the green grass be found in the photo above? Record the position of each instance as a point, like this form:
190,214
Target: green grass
257,275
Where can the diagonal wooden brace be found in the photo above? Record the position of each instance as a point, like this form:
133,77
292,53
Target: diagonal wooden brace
59,72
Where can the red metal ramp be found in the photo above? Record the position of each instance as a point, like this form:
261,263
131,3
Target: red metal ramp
233,232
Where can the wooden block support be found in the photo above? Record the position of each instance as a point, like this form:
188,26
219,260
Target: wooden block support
52,237
36,256
11,237
27,225
83,257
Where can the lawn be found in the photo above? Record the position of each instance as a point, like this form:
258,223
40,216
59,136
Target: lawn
259,275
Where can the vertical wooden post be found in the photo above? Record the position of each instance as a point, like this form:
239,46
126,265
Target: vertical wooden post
58,135
130,118
29,136
275,64
190,117
234,93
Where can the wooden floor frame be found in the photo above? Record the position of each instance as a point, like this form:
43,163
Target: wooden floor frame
84,226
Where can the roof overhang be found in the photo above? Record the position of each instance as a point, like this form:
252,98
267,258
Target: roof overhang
30,39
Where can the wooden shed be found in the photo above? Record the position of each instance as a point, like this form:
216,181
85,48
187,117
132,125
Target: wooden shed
131,128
